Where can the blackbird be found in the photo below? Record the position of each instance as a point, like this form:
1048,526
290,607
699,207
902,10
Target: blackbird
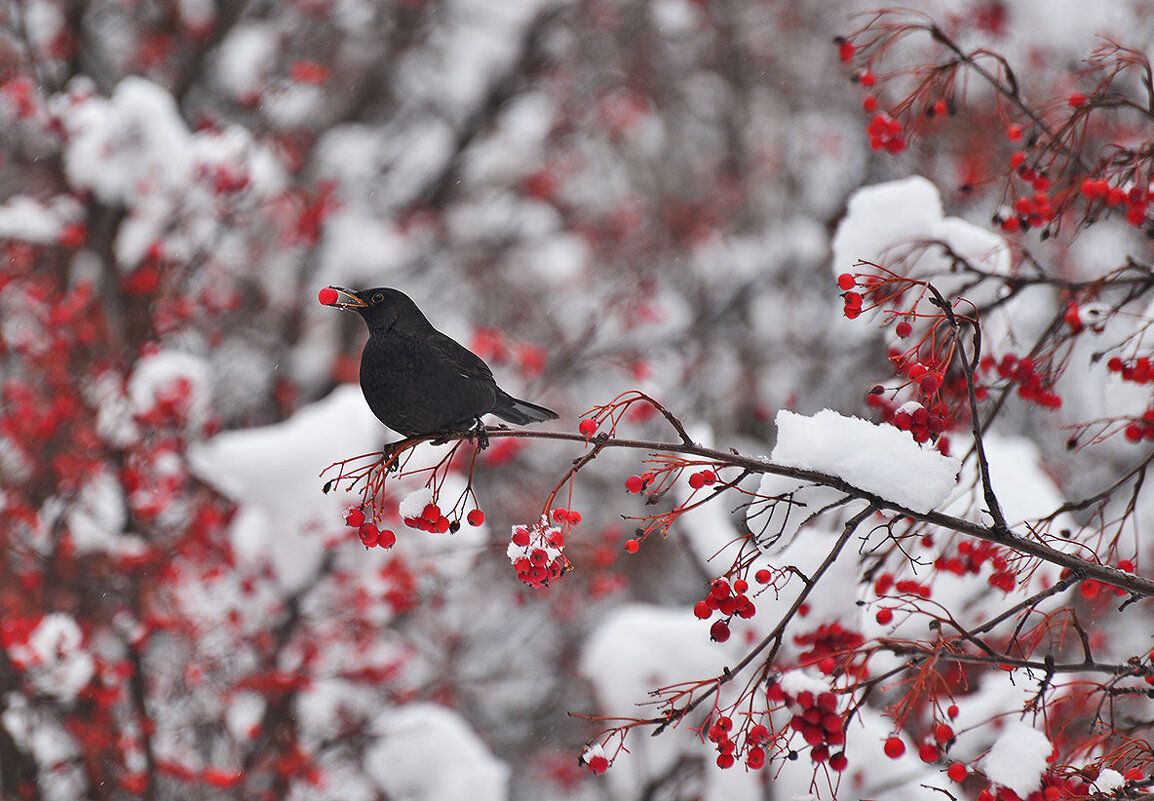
418,381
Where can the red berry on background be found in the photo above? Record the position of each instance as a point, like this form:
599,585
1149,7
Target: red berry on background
475,517
597,764
868,79
755,758
741,585
1014,132
762,576
846,50
870,104
944,733
895,747
957,772
634,484
387,539
369,535
838,762
952,711
327,296
846,281
631,546
929,752
1076,100
354,518
885,616
725,761
719,631
587,428
701,609
903,329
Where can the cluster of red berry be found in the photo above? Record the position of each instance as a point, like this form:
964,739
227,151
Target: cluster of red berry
537,554
719,733
727,599
817,719
1031,210
1032,386
833,647
1135,199
371,536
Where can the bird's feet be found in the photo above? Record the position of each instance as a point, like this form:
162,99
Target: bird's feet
482,436
391,454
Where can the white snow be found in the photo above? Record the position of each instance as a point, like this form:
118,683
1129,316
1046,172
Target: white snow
1017,759
413,504
879,459
31,220
245,58
272,471
162,375
57,662
428,752
1108,781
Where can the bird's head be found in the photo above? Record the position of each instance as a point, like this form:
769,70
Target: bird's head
382,308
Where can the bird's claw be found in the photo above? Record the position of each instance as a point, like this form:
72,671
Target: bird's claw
482,436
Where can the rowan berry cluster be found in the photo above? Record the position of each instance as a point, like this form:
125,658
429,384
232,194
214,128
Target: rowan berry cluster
728,600
833,648
1032,386
371,536
971,556
537,554
817,719
1134,199
1031,210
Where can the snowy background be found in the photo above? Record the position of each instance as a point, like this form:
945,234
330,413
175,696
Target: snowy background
595,196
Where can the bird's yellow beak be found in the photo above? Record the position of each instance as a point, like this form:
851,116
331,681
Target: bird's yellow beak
342,298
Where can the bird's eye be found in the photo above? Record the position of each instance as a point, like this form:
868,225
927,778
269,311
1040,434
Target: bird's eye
377,298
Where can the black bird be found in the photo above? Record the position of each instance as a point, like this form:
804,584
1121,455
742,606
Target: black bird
418,381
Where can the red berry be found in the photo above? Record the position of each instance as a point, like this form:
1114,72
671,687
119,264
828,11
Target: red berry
944,733
838,762
952,711
846,50
903,329
869,104
634,484
387,539
597,764
885,616
354,518
327,296
1076,100
431,512
957,772
475,517
719,631
720,588
762,576
741,585
725,761
929,752
631,546
895,747
701,609
755,759
696,481
369,535
1014,132
846,281
868,79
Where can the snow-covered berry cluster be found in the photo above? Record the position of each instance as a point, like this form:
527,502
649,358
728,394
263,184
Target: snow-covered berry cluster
816,717
537,554
371,536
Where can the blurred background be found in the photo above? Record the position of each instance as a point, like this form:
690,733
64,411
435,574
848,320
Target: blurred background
595,196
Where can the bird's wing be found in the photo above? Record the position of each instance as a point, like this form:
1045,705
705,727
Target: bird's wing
468,363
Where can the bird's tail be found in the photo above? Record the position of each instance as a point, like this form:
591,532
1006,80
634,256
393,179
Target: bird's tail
520,412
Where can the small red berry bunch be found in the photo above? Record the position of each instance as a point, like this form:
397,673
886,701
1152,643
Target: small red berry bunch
1031,210
537,554
1032,386
702,478
371,536
832,646
1134,199
970,558
637,484
728,600
817,719
1138,371
432,520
